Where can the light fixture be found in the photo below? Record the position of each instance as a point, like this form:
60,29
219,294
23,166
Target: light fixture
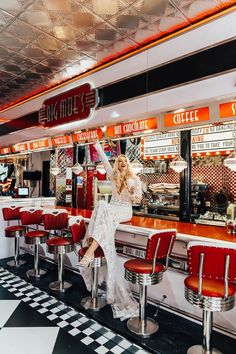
230,161
77,168
136,166
178,164
100,168
55,170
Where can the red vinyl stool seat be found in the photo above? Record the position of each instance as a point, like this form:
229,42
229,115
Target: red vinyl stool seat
212,271
149,271
93,302
14,231
33,216
60,246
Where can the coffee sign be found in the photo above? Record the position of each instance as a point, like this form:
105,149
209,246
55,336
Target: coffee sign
69,106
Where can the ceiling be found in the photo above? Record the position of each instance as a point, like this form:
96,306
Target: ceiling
46,42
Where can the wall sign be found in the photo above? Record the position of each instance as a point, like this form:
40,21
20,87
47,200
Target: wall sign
61,140
6,150
69,106
187,117
87,135
204,139
228,109
131,127
39,144
20,147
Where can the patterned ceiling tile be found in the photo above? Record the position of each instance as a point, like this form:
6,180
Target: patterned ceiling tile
44,42
14,7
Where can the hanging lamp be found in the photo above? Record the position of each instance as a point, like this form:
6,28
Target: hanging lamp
55,170
77,168
178,164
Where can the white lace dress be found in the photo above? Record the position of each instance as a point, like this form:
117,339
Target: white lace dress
102,227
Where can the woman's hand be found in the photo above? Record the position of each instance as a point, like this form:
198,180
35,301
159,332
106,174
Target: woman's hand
132,190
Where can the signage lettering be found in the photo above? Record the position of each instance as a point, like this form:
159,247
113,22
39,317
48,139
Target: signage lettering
87,135
72,105
204,139
187,117
61,140
20,147
132,127
40,144
228,109
6,150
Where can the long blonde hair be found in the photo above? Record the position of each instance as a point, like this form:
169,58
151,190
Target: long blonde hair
119,179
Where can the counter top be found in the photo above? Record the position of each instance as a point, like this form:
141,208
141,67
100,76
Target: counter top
189,229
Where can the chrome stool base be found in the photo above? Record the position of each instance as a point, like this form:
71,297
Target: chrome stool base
93,304
60,286
32,273
198,349
13,263
144,328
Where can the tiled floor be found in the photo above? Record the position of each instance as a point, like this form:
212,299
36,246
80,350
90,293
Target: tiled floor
34,322
28,307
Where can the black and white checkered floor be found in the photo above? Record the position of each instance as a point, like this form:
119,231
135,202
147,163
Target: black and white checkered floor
32,321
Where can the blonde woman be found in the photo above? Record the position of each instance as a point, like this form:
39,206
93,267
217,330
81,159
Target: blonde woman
126,189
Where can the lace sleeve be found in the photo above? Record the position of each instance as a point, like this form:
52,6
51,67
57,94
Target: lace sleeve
104,159
137,196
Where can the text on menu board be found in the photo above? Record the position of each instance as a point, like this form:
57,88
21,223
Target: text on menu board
204,139
131,127
69,106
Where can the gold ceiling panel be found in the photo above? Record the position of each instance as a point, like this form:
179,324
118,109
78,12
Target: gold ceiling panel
45,42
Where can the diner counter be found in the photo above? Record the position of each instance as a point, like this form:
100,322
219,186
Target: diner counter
185,231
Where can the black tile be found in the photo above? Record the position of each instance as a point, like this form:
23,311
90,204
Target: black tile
25,316
5,294
65,343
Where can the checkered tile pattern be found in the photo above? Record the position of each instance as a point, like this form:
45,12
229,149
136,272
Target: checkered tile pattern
97,337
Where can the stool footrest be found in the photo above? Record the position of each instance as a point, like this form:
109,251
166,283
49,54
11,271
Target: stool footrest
60,286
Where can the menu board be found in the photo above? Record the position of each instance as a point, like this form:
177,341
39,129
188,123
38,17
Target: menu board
204,139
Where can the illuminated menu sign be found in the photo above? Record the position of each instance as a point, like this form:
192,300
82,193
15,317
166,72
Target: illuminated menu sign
39,144
87,135
6,150
204,139
131,127
69,106
228,109
20,147
187,117
61,140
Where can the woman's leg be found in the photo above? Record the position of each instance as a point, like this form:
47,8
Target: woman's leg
89,254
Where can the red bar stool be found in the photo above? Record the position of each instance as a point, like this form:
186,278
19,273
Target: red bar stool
60,246
93,302
212,271
55,219
15,231
33,216
149,271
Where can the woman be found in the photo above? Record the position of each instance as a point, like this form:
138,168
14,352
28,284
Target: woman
126,189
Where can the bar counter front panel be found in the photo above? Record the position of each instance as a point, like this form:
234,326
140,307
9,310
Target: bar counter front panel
131,239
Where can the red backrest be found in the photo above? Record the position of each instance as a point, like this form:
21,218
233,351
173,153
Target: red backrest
166,242
214,260
78,230
32,216
55,220
11,213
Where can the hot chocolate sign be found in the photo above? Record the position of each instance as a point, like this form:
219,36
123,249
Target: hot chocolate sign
69,106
